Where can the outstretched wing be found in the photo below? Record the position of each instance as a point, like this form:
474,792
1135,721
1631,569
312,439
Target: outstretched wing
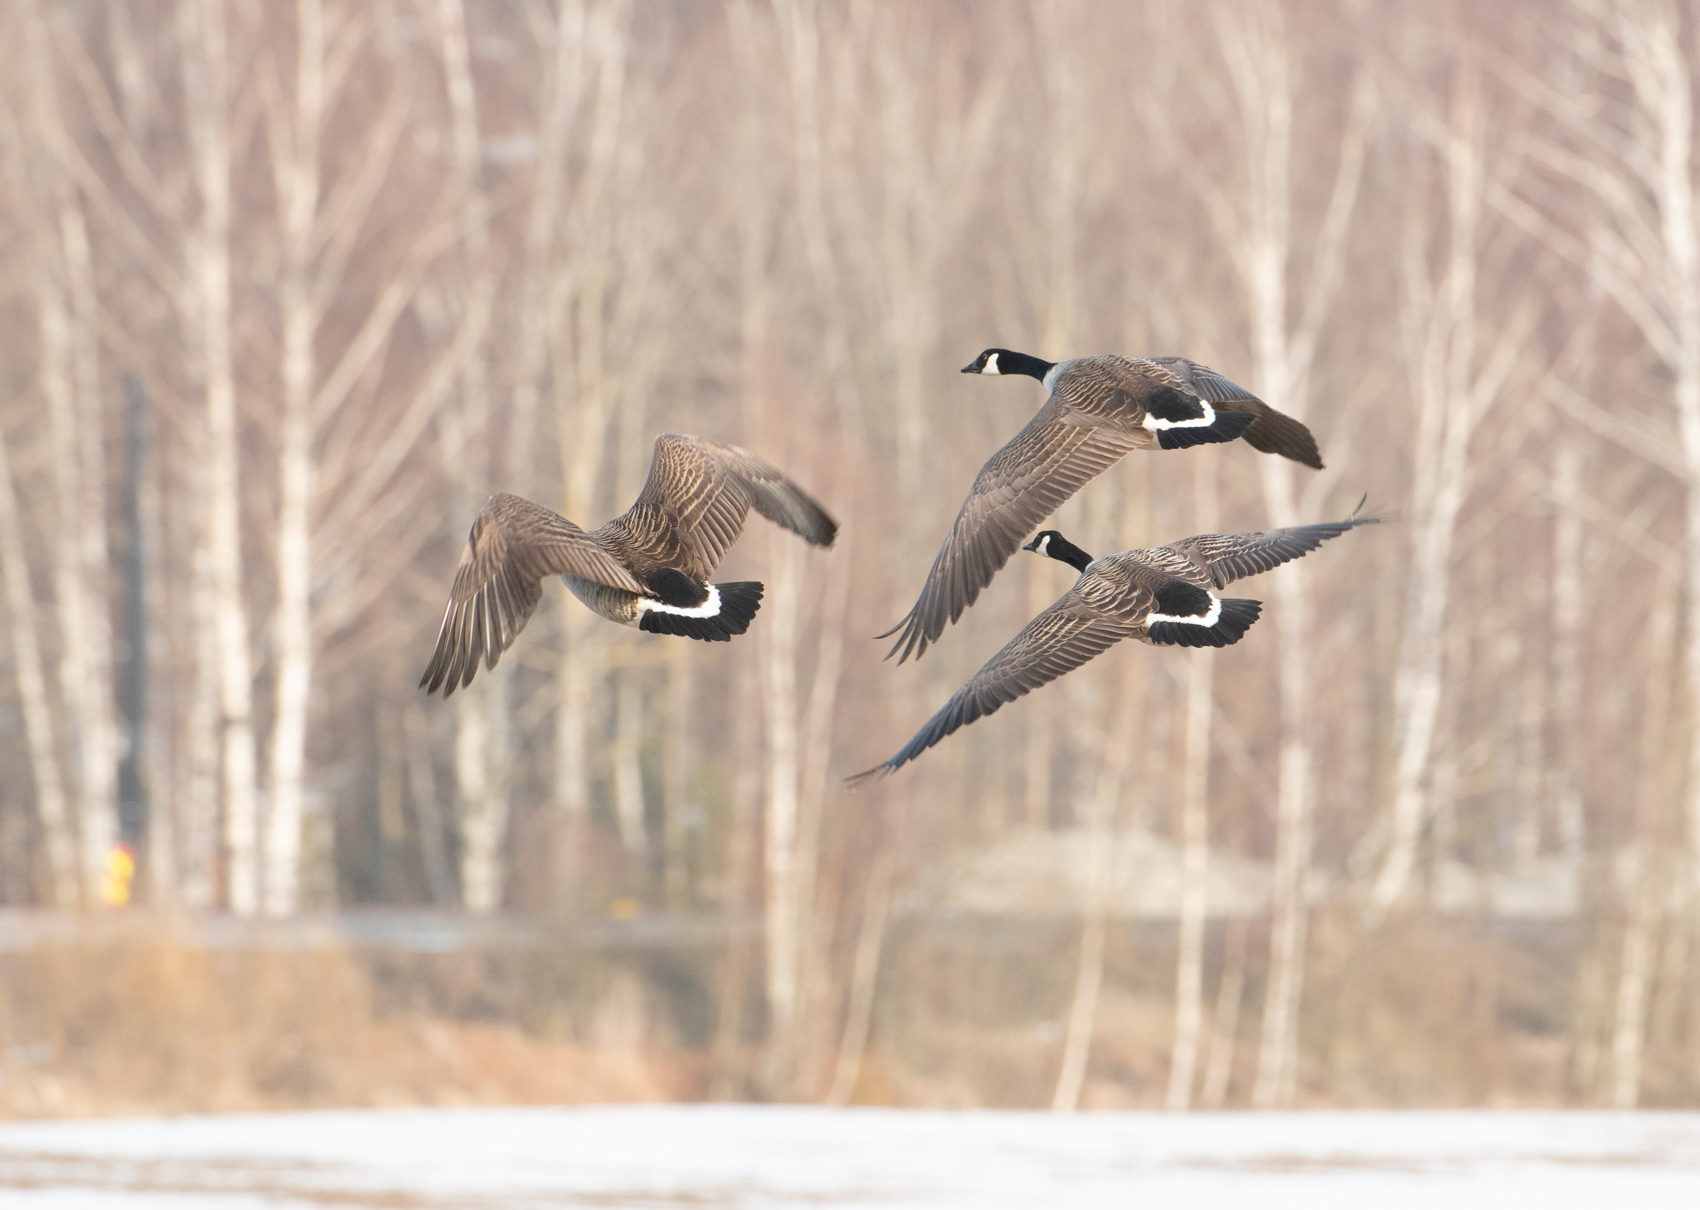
1270,432
1229,557
693,505
1022,484
1059,640
513,545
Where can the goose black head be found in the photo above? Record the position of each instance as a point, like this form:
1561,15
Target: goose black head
1052,545
1005,361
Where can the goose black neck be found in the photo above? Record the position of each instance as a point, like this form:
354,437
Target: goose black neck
1022,363
1054,546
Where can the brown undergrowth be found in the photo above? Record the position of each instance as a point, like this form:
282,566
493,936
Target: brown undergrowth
161,1028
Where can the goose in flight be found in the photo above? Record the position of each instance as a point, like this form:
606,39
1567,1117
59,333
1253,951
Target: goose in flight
1100,409
647,568
1165,596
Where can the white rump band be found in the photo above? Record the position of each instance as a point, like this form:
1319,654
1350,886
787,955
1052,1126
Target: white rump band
708,609
1208,619
1203,422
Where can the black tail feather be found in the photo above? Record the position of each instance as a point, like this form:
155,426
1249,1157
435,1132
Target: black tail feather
1236,618
738,604
1228,426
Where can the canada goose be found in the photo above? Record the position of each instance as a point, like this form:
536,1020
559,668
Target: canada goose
1162,596
1100,409
648,568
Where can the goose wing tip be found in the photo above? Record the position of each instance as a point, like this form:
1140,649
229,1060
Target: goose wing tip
857,780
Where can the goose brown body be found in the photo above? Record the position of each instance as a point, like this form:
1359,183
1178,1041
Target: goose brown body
647,567
1165,595
1100,409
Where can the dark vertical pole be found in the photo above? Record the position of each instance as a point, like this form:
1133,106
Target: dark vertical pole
133,680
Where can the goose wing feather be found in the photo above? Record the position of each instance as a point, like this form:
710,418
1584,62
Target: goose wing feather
1059,640
513,545
692,507
1027,480
1271,432
1225,558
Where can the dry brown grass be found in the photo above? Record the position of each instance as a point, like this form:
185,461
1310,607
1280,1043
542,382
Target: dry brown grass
165,1029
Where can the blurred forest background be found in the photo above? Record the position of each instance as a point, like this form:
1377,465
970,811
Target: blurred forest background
288,289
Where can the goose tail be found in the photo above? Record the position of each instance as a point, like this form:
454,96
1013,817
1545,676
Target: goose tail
1226,427
1233,620
727,611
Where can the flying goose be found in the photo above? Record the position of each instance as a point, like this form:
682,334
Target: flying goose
1166,596
648,568
1100,409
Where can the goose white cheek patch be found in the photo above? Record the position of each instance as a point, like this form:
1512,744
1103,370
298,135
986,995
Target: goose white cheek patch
1206,620
992,365
708,609
1157,425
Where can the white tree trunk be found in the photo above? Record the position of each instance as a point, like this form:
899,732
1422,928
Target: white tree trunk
1119,741
784,902
628,774
1567,606
1259,57
1633,980
293,625
39,730
70,376
97,749
1449,405
481,717
864,976
1195,873
202,35
1225,1021
483,822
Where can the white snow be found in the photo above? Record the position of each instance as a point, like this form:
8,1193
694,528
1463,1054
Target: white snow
769,1157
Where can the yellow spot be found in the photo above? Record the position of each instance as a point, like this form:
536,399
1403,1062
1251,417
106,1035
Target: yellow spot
625,909
116,878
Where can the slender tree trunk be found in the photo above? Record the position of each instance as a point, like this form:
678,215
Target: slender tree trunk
39,730
678,761
199,839
1195,836
1634,978
864,975
429,821
1119,740
1647,867
628,776
75,686
726,1058
1195,872
801,46
202,32
784,904
815,750
481,715
1225,1021
97,748
1566,704
70,377
1449,407
293,626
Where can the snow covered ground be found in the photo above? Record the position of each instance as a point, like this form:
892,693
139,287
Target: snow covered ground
766,1157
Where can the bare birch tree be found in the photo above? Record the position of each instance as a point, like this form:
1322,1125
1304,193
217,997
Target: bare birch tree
1286,314
203,35
50,799
1634,163
1459,371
